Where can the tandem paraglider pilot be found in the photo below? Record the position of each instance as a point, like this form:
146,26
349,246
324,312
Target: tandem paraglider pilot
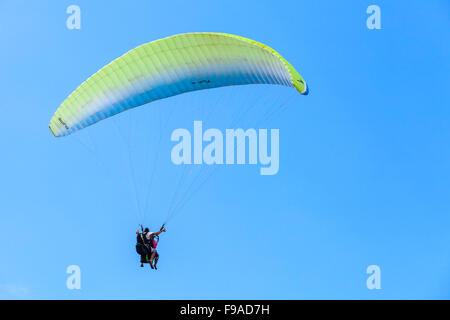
147,242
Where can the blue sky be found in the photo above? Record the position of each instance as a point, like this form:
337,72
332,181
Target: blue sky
364,160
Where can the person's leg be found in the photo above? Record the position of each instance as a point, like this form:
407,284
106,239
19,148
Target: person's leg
152,257
156,258
142,253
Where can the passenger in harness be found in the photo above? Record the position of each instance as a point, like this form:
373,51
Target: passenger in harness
146,246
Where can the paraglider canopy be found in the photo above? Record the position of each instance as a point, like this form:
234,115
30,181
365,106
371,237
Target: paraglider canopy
168,67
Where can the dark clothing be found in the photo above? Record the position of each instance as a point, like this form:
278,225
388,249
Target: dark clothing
142,238
143,247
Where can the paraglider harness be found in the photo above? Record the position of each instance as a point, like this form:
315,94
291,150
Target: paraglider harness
144,246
